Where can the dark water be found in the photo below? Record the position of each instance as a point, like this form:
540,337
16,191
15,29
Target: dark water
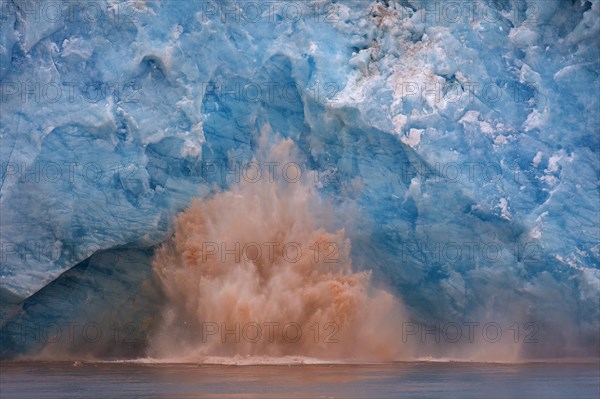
398,380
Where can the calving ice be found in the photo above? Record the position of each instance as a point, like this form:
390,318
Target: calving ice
170,165
298,290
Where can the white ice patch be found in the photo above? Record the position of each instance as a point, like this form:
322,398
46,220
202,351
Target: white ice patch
535,120
553,164
399,122
76,46
523,36
538,158
503,205
176,32
413,138
191,149
470,117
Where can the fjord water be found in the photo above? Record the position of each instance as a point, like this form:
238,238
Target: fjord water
392,380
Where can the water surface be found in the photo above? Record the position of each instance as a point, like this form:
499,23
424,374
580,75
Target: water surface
394,380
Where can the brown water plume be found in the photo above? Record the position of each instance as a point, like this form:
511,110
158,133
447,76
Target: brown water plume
253,271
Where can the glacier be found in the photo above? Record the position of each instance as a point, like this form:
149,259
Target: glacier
461,137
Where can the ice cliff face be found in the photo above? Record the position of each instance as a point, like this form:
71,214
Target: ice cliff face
461,137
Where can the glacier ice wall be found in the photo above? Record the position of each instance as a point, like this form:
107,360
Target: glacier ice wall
441,127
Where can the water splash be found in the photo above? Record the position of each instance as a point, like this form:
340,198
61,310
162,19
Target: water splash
253,271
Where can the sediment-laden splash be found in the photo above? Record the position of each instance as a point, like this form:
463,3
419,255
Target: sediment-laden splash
253,271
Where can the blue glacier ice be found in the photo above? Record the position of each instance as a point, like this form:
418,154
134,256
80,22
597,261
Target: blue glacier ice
463,135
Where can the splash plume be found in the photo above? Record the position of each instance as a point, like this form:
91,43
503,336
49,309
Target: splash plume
251,272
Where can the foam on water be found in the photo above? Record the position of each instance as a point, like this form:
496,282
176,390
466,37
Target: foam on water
235,361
